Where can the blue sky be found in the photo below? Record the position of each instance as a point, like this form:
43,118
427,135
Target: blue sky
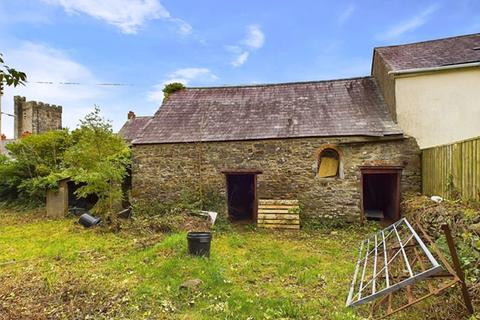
147,43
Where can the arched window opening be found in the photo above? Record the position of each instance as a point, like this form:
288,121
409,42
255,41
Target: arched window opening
329,163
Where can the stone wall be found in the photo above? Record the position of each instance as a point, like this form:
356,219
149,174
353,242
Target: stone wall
386,82
35,117
289,166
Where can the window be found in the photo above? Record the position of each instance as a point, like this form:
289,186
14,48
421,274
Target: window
329,163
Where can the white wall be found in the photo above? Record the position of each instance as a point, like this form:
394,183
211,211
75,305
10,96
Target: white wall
439,107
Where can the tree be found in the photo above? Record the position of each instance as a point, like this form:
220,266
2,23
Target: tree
98,160
35,164
92,156
10,76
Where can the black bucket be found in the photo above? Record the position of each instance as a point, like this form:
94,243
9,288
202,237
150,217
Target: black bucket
199,243
88,221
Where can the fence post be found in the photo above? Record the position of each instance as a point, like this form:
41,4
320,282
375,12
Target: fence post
457,267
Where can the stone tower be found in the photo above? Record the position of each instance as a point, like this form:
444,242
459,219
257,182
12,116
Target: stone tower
35,117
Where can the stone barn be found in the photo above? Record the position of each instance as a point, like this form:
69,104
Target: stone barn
331,145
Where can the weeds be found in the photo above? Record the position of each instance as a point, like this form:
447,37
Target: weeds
250,275
67,272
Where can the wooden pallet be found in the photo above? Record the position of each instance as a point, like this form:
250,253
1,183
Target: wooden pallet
278,214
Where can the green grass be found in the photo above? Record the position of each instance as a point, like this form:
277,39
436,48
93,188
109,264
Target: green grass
251,274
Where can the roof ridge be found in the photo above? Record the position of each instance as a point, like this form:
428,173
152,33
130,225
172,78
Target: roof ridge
279,83
427,41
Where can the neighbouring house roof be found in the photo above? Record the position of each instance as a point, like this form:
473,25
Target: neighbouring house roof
345,107
133,127
433,53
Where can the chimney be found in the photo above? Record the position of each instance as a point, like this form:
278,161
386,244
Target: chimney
131,115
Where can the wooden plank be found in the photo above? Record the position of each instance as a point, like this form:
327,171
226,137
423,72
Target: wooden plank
476,166
458,269
278,216
471,193
279,226
277,202
277,206
328,167
261,209
278,221
464,169
409,294
475,172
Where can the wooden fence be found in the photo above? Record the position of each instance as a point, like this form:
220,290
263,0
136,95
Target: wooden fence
452,170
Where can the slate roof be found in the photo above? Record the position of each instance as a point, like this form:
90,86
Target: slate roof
434,53
133,127
345,107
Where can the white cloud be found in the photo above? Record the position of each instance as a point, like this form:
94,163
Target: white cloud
127,15
188,74
241,59
255,38
183,26
185,76
409,25
43,63
346,14
240,55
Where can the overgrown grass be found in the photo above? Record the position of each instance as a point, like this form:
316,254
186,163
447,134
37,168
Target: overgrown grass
56,269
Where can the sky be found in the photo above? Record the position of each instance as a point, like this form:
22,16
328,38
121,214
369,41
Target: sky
137,46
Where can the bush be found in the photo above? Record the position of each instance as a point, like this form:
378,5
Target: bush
35,166
171,88
98,160
464,222
91,155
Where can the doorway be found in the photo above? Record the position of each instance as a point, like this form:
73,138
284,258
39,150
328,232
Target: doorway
74,201
381,193
242,195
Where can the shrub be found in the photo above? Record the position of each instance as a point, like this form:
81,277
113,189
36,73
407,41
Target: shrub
98,160
91,155
35,166
171,88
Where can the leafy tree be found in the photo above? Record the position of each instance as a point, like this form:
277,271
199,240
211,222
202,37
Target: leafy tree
98,159
91,156
10,76
35,164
